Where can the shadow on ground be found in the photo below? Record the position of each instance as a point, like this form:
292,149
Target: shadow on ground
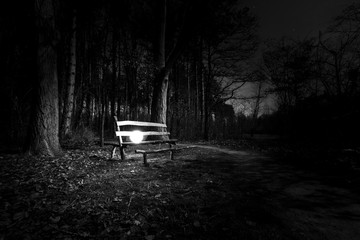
206,193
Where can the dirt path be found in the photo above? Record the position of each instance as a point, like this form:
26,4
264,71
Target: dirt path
287,202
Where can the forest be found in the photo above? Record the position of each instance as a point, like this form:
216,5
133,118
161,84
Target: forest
269,127
199,66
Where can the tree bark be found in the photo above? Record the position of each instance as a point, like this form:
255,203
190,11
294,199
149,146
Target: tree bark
161,81
164,65
159,103
69,101
119,98
43,137
206,95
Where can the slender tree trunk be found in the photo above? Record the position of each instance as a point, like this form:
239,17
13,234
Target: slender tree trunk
178,107
63,61
102,122
206,121
90,97
100,107
79,108
196,92
206,96
119,99
201,82
256,110
102,119
103,100
337,75
188,120
199,79
203,106
69,100
88,110
131,72
43,137
149,98
114,73
107,109
82,76
126,96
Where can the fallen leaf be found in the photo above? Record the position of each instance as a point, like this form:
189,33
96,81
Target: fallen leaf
250,223
117,199
55,219
19,215
197,224
150,237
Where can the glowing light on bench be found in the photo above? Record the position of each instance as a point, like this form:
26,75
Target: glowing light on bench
136,136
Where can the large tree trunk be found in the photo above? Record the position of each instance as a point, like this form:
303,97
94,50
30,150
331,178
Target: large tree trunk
69,100
161,81
163,67
43,138
159,103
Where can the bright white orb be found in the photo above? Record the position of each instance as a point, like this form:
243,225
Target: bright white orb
136,136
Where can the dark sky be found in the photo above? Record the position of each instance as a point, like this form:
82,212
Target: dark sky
295,18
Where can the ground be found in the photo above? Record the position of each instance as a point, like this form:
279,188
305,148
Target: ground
207,192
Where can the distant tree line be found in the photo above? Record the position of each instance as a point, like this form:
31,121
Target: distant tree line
316,81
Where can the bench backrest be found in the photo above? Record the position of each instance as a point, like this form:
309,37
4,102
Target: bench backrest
125,128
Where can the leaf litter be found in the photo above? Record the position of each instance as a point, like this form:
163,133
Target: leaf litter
84,195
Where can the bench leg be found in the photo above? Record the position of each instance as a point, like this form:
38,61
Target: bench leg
172,154
145,159
122,154
113,151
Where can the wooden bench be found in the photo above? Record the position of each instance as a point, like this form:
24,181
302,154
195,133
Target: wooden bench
156,132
